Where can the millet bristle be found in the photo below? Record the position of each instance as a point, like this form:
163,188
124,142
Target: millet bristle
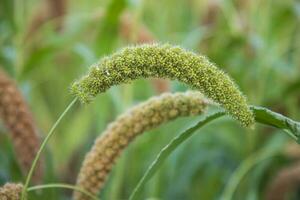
142,36
18,120
143,117
11,191
165,61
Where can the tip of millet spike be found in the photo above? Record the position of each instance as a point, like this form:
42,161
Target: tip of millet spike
78,93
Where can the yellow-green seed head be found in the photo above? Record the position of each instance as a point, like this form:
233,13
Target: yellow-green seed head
165,61
148,115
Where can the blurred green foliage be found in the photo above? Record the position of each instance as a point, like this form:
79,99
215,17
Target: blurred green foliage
256,42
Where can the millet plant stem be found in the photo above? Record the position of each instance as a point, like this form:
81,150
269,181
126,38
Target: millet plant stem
62,185
43,145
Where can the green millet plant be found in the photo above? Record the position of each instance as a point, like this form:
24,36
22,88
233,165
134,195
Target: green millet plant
165,61
148,115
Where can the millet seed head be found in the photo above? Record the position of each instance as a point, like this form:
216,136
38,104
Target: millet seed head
118,135
165,61
11,191
18,120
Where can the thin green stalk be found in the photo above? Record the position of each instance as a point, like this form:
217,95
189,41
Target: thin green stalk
62,185
43,145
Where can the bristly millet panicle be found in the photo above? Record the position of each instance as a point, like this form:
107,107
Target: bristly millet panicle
18,120
11,191
143,117
165,61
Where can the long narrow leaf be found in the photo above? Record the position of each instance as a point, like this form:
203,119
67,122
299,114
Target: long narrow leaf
262,115
268,117
167,150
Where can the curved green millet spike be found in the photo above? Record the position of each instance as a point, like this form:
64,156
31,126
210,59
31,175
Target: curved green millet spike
165,61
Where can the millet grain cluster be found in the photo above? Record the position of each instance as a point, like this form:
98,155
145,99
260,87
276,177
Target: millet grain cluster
111,143
165,61
18,120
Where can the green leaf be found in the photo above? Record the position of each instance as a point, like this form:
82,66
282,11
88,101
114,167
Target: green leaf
268,117
167,150
107,36
262,115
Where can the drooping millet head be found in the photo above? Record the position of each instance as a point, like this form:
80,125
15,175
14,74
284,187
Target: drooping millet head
119,134
165,61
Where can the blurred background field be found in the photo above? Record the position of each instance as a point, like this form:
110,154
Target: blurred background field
45,45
